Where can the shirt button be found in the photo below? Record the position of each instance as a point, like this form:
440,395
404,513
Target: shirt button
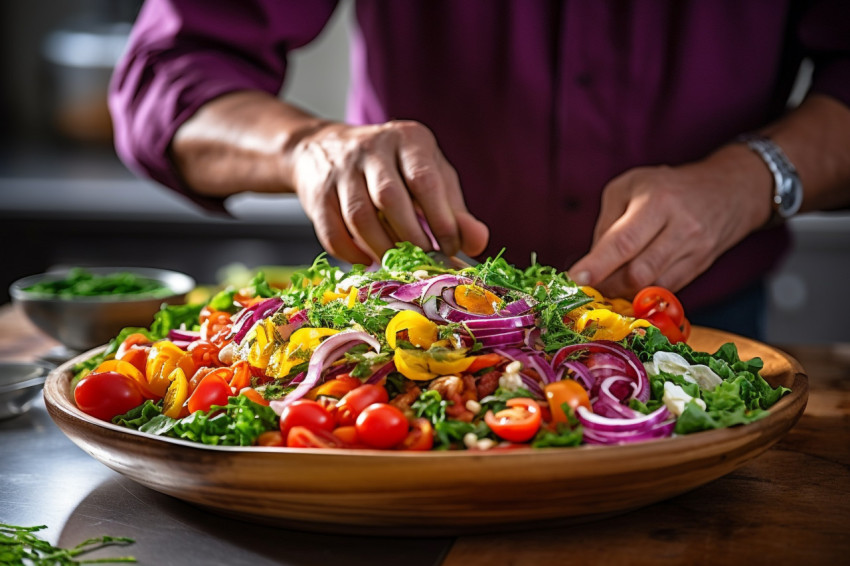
572,203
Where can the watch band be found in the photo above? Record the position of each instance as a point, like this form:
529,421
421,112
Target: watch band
787,188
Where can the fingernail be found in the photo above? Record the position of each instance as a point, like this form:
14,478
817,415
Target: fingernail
581,278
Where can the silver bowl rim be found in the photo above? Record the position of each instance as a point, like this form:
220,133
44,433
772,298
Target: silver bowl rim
39,376
177,282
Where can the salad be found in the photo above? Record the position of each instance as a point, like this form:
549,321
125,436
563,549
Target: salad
417,356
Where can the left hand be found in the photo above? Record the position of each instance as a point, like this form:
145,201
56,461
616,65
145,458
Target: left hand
666,225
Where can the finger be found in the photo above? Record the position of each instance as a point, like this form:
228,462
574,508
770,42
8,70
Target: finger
331,230
391,198
628,236
648,268
613,205
474,234
425,180
360,216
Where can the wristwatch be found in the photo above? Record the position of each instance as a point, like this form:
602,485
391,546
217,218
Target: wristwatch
787,188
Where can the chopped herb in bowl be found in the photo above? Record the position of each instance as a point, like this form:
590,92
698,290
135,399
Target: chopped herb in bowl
80,282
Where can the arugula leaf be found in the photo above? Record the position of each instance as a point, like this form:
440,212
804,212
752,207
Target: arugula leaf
562,436
139,416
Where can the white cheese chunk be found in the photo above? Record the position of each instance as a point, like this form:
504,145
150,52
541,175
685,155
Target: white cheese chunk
675,398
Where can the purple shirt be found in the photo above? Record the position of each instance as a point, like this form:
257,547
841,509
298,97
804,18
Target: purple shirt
537,104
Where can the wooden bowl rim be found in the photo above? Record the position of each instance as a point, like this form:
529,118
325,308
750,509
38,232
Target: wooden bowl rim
58,398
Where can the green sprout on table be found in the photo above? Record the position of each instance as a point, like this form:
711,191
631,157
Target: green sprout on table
18,545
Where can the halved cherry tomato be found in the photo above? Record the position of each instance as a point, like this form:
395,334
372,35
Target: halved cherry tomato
336,387
519,422
108,394
658,299
566,391
271,438
176,394
305,413
667,327
136,355
212,390
303,437
163,357
350,406
420,436
381,425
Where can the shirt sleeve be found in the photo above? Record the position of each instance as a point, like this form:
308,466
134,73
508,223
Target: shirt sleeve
183,53
824,34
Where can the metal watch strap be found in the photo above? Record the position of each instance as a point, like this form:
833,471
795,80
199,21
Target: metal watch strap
787,189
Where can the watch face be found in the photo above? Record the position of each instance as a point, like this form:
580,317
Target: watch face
790,197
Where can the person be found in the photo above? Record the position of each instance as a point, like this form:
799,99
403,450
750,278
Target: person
600,136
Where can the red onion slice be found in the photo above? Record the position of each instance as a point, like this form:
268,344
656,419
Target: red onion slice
326,353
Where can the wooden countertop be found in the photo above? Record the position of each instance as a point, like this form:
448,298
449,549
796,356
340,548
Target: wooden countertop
791,505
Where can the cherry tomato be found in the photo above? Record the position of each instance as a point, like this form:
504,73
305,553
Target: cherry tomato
131,371
420,437
212,390
133,340
519,422
381,425
305,413
303,437
106,395
566,391
667,327
658,299
271,438
353,402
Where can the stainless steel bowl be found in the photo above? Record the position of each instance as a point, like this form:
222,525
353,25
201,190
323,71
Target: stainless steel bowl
20,384
81,323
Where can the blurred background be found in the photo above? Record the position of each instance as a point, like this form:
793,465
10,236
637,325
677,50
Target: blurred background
65,199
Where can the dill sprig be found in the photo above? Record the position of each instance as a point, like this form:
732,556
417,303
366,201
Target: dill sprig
20,545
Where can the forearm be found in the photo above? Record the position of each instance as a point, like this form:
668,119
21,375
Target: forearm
242,141
816,138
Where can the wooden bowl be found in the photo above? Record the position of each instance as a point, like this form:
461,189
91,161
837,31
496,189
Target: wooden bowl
435,493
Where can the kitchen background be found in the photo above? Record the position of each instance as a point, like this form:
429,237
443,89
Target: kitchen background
65,199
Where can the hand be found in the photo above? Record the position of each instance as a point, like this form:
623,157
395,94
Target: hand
363,187
666,225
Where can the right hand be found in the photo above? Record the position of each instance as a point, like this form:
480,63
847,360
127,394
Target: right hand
364,186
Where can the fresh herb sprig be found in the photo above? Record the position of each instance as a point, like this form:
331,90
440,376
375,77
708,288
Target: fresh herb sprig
20,545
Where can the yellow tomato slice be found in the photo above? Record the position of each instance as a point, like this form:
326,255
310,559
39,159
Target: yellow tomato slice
176,394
